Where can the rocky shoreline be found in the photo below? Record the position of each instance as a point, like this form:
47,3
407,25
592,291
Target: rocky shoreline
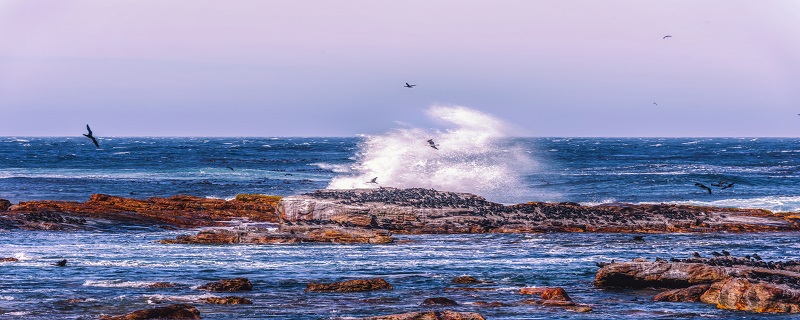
402,211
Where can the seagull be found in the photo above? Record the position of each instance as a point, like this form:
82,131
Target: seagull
410,85
90,136
667,36
728,186
374,180
433,145
703,186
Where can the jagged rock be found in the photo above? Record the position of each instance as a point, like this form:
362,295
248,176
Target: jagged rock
175,311
4,204
743,294
690,294
357,285
726,281
228,285
547,293
430,315
489,304
227,300
438,301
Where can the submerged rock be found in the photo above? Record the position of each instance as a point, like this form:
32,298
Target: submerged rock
357,285
4,204
430,315
175,311
227,300
228,285
438,301
9,259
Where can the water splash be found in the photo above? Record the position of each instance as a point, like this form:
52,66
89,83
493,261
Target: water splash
474,155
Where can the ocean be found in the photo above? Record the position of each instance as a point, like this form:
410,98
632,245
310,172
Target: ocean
109,272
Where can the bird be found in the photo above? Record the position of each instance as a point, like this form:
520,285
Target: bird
433,145
755,256
229,167
374,180
638,238
667,36
90,136
703,186
727,186
726,253
696,254
61,263
410,85
719,184
716,254
655,104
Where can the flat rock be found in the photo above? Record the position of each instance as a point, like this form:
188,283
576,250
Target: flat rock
227,300
430,315
175,311
228,285
295,234
438,301
357,285
9,259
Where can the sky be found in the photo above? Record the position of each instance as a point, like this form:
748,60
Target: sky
337,68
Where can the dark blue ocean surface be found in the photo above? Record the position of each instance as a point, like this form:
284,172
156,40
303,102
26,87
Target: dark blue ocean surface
108,272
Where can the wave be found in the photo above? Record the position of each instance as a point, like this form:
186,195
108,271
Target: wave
470,157
771,203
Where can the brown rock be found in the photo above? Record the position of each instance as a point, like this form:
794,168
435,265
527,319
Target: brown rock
489,304
4,204
690,294
296,234
357,285
465,280
439,301
175,311
660,275
430,315
547,293
742,294
227,300
228,285
9,259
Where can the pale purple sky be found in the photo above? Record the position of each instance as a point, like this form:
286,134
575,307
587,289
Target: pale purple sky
337,68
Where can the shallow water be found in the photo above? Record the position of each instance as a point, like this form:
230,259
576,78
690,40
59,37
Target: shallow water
111,271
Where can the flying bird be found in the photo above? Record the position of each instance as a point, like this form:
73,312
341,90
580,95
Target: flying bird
90,136
703,186
719,184
410,85
655,104
374,180
667,36
730,185
433,145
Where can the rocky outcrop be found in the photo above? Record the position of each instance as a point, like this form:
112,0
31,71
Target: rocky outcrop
357,285
9,259
228,285
226,300
295,234
430,315
4,204
177,211
553,296
438,301
466,280
725,281
175,311
431,211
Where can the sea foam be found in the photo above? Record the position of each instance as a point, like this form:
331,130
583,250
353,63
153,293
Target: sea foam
474,155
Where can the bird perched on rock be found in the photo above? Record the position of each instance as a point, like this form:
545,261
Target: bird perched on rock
716,254
755,256
726,253
696,255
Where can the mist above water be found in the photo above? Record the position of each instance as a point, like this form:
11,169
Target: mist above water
474,155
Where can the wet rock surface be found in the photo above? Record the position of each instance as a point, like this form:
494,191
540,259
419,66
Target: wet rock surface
429,211
430,315
175,311
228,285
227,300
357,285
729,282
295,234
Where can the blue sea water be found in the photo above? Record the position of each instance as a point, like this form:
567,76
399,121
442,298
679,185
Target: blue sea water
109,271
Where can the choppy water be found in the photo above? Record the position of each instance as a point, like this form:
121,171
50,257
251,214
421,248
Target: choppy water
111,270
